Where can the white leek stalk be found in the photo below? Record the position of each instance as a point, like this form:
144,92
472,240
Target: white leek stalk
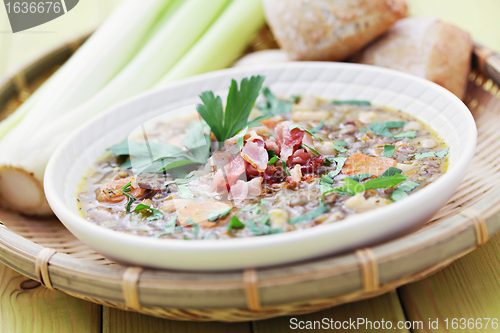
223,43
24,157
99,59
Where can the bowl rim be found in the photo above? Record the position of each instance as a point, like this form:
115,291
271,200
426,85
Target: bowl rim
69,216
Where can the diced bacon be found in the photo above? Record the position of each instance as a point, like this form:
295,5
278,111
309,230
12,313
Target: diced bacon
247,190
233,170
307,140
253,136
360,163
288,140
231,146
272,144
256,155
300,156
296,174
313,165
266,175
271,122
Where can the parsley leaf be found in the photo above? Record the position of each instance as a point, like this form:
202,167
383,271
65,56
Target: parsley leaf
131,199
339,146
390,178
219,213
273,106
325,184
352,102
361,176
312,149
389,150
168,227
321,209
190,222
156,213
264,230
240,102
439,154
383,129
273,158
292,126
318,128
249,208
401,191
234,223
340,164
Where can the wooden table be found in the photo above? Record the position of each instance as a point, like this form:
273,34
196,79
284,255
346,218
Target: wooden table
469,288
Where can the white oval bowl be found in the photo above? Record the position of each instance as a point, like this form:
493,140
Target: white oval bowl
432,104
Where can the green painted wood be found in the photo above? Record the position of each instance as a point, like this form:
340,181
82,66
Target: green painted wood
468,288
119,321
386,307
25,306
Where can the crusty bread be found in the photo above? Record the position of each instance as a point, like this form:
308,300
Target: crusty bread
330,29
427,47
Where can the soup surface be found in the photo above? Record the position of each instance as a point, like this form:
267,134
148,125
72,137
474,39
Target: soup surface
308,162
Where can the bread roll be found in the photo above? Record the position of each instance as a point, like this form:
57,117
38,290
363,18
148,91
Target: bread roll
330,29
426,47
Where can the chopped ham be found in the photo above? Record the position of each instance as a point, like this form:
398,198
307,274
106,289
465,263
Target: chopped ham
288,140
300,156
233,171
272,144
247,190
296,173
313,165
271,122
256,155
252,136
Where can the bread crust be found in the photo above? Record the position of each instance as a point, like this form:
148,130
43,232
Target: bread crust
426,47
330,29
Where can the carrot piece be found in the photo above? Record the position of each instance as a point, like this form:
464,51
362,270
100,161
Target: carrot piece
199,213
361,163
111,192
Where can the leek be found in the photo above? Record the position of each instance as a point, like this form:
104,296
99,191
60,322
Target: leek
20,162
98,60
224,42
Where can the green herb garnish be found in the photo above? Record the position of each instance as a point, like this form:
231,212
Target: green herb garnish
234,223
352,102
312,149
274,106
325,184
219,213
410,134
225,125
340,146
361,176
273,158
169,227
389,150
321,209
302,128
390,178
190,222
318,128
131,199
340,164
264,230
439,154
383,129
401,191
249,208
156,213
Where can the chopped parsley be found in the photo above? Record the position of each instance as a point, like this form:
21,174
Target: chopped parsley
302,128
261,230
401,191
156,213
190,222
389,150
219,214
274,106
273,158
169,227
439,154
340,164
312,149
390,178
383,130
131,199
340,146
321,209
234,223
318,128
